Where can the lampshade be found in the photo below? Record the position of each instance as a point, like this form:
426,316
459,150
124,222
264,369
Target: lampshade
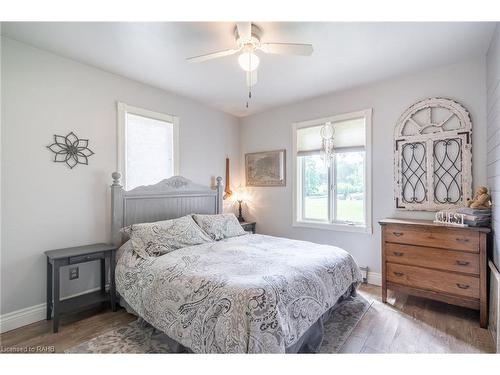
239,194
248,61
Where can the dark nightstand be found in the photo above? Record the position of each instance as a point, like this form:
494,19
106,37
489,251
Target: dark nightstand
76,255
248,227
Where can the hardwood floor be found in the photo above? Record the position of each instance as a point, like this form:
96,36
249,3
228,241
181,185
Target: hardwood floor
407,324
404,325
73,329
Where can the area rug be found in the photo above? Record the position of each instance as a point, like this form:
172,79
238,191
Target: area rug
135,338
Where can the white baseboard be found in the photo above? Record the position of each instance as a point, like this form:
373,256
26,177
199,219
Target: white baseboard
29,315
19,318
375,278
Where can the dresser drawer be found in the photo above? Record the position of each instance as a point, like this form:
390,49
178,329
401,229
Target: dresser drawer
439,281
435,237
431,257
86,258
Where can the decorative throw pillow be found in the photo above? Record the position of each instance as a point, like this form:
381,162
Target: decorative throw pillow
220,226
162,237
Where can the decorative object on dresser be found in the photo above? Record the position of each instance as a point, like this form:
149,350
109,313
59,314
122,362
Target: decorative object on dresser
478,210
450,218
444,263
482,200
70,150
474,217
476,214
266,168
76,255
248,226
227,187
433,156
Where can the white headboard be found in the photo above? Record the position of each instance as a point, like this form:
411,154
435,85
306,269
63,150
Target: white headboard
168,199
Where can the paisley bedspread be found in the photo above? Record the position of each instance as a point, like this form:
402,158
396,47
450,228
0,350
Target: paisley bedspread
247,294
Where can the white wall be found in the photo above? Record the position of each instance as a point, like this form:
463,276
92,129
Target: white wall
272,207
493,147
46,205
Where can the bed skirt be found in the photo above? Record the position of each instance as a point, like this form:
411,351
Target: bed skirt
309,342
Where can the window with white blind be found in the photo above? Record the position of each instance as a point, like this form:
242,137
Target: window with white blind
148,146
338,195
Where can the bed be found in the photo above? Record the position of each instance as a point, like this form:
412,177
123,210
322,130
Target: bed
246,294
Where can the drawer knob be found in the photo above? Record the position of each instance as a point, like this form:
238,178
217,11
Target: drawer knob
462,240
462,263
463,286
399,273
397,254
398,234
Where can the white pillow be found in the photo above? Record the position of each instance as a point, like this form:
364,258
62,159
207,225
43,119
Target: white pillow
220,226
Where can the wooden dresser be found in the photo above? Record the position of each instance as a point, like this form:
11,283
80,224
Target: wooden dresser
440,262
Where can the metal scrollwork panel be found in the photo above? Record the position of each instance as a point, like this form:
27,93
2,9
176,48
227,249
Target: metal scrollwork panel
448,171
433,156
414,172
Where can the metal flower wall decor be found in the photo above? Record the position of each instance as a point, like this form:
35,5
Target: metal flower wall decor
70,150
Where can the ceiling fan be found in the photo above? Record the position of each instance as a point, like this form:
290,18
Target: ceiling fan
248,41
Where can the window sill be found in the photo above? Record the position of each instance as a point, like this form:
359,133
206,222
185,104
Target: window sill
334,227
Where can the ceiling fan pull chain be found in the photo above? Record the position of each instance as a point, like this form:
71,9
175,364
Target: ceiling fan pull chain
249,94
249,86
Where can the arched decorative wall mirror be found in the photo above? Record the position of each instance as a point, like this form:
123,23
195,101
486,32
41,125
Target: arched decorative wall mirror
433,156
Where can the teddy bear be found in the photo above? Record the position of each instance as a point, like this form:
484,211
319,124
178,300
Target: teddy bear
481,199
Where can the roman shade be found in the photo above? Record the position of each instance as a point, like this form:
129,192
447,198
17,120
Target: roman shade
349,136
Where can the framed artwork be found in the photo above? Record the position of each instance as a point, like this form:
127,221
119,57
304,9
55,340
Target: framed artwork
266,168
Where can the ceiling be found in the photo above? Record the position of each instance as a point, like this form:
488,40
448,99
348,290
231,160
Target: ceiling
345,55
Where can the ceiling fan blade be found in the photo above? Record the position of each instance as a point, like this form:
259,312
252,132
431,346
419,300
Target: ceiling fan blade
244,30
212,55
252,78
287,48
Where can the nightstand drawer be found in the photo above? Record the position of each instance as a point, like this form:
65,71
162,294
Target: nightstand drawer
86,258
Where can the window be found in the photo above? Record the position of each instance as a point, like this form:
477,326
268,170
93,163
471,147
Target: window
337,196
148,146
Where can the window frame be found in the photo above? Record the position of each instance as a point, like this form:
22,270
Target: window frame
298,193
122,110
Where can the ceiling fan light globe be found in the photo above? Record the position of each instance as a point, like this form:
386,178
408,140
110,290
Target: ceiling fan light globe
248,61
